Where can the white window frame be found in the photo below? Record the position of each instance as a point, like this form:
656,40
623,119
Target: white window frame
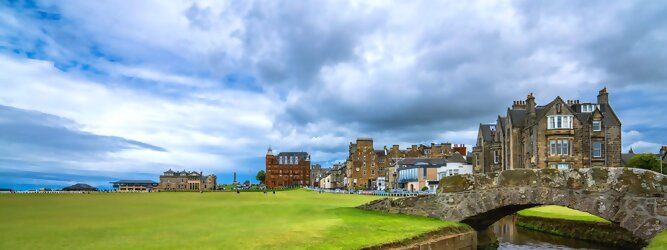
496,157
597,153
597,125
559,122
559,147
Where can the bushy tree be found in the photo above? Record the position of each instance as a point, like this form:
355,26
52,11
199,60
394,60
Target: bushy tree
246,182
645,161
425,189
261,176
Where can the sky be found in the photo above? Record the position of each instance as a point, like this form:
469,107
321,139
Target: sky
96,91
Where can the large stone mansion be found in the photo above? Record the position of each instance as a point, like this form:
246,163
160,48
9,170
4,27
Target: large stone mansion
561,134
183,180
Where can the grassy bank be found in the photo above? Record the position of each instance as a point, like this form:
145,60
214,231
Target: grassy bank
287,220
558,212
659,242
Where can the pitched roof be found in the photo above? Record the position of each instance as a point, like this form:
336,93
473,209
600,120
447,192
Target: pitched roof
134,182
487,134
456,157
518,117
297,154
428,161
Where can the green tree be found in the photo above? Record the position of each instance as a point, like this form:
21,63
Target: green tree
261,176
425,189
645,161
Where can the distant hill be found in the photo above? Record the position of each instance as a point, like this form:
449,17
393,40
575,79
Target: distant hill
80,187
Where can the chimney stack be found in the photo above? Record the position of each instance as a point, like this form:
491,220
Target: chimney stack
603,96
530,104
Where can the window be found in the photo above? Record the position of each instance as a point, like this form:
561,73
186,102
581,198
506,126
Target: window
559,121
477,159
597,125
496,157
563,166
597,149
373,172
424,172
559,147
587,108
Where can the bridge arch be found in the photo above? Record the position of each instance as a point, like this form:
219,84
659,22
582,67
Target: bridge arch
632,198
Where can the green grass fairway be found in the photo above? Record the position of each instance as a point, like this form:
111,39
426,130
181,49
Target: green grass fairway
287,220
558,212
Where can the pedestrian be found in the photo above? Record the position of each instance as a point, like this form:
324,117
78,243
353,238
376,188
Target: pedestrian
274,191
237,191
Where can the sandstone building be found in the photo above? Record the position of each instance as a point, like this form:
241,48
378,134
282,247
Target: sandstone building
561,134
183,180
287,169
366,167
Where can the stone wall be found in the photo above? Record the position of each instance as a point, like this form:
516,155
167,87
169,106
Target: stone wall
633,198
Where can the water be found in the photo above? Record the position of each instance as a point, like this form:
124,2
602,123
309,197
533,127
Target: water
515,237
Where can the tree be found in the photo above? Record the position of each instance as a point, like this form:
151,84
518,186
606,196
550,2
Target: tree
425,189
645,161
261,175
246,182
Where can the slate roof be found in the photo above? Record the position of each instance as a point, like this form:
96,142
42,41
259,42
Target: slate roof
456,157
301,155
518,117
487,135
134,182
413,162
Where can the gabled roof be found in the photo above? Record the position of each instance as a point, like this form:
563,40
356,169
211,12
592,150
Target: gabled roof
502,120
456,157
487,134
541,113
518,117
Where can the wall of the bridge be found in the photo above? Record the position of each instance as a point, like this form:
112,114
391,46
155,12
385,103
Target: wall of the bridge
633,198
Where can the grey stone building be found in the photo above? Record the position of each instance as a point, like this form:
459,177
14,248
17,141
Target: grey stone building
561,134
183,180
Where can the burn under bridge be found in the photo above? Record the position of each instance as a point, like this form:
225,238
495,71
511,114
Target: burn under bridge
634,199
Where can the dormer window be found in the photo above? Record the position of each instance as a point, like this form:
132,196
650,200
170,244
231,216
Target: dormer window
559,122
597,125
588,108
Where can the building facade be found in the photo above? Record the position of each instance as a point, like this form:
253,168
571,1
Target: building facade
365,165
134,185
417,173
186,181
287,169
317,172
561,134
338,175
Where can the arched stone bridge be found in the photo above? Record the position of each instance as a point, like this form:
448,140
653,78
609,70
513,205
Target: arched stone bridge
632,198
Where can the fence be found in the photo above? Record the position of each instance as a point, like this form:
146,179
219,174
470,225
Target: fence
369,192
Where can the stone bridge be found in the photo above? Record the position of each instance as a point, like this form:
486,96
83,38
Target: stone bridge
632,198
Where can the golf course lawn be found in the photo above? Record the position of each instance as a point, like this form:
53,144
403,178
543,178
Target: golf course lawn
558,212
658,242
223,220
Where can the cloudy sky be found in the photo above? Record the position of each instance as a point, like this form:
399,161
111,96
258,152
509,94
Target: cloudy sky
94,91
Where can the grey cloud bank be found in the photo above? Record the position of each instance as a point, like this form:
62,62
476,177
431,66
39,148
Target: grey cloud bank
210,86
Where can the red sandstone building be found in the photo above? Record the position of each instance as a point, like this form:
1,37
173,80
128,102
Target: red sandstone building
287,169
